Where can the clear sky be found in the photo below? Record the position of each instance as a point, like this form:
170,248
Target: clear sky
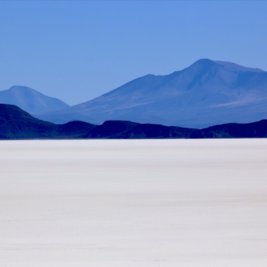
77,50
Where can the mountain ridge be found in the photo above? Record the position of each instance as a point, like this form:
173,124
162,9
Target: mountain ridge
16,124
205,93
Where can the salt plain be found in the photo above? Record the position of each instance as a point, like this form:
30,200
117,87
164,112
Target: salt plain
140,203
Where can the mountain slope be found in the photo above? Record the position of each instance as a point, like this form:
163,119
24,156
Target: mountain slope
30,100
204,94
248,130
18,124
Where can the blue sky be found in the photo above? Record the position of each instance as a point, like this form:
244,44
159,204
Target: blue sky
77,50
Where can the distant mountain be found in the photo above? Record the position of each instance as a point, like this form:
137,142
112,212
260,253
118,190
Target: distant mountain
204,94
30,100
18,124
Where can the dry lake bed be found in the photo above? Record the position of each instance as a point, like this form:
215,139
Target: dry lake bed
141,203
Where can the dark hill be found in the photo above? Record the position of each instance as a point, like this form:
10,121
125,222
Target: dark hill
128,130
18,124
247,130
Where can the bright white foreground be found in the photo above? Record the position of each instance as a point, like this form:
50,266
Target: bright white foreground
184,203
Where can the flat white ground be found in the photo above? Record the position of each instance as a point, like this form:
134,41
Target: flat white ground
182,203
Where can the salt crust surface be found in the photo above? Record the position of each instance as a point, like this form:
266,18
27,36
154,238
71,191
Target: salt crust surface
139,203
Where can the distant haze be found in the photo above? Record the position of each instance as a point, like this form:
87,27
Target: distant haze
77,50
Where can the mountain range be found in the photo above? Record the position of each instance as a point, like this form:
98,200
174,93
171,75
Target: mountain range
204,94
18,124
